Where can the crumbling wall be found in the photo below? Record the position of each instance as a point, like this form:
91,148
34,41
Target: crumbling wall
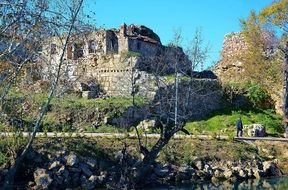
111,57
229,69
196,99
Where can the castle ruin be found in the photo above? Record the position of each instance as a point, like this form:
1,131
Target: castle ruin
111,57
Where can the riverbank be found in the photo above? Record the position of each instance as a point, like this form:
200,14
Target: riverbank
92,163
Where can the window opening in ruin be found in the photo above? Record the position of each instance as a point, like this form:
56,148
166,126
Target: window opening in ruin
92,46
78,51
69,52
53,49
112,44
94,62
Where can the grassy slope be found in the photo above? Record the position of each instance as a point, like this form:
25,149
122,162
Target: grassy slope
64,107
220,122
223,122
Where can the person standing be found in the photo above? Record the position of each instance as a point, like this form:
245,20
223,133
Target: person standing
239,126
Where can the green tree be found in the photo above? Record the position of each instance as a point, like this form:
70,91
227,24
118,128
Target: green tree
259,61
276,16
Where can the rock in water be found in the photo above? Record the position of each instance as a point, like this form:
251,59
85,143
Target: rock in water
271,169
42,178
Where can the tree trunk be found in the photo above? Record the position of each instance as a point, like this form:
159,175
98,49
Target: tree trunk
285,101
144,169
9,178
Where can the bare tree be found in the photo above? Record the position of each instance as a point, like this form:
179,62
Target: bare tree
171,106
25,11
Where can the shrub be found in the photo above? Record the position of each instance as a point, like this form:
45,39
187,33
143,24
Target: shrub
258,96
248,94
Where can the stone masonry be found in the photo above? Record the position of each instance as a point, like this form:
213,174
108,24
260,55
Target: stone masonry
112,58
229,69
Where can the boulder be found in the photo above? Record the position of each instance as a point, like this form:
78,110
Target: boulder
186,173
72,160
228,173
55,164
74,169
42,178
219,174
75,180
207,169
92,182
85,169
199,164
242,174
91,162
58,181
102,178
161,171
62,171
256,173
271,169
255,130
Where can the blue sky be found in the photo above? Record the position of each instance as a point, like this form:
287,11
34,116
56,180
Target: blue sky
215,17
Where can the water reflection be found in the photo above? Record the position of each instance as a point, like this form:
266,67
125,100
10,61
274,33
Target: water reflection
277,183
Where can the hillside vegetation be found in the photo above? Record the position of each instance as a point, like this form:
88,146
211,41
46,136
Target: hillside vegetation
75,114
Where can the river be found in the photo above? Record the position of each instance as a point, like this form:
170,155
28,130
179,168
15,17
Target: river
277,183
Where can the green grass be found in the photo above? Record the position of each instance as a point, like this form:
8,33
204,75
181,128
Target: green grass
220,122
171,78
3,158
105,129
223,122
71,105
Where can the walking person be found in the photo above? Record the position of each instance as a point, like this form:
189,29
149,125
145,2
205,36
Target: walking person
239,126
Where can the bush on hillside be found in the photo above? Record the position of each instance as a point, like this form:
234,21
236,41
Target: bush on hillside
253,95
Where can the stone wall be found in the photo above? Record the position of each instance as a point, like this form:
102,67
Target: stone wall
229,69
111,57
196,99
